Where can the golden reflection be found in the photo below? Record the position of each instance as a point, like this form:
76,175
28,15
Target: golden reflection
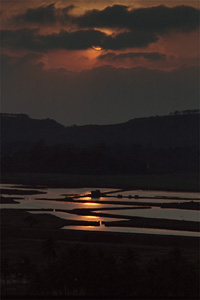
87,198
92,217
91,203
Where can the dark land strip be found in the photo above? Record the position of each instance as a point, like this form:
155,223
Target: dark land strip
20,192
10,200
166,182
101,237
156,224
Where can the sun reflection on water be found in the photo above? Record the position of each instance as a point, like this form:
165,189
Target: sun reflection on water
92,217
91,203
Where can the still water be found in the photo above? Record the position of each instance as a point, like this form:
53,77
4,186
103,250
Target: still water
159,213
31,202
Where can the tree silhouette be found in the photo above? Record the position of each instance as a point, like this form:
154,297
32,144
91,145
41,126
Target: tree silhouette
26,269
49,250
6,272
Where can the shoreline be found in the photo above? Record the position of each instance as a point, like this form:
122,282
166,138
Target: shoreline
25,220
70,235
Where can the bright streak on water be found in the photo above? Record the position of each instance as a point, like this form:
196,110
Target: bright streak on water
30,202
134,230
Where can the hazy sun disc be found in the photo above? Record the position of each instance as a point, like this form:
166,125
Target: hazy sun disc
97,48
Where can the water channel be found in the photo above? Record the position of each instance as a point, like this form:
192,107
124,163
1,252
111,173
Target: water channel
54,199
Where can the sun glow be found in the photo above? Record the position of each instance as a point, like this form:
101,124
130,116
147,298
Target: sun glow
97,48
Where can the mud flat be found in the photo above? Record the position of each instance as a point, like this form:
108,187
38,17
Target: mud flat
9,200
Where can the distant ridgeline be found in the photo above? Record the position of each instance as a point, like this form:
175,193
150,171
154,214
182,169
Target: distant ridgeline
159,144
14,115
177,112
185,112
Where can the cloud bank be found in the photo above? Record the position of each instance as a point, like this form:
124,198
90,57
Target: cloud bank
158,19
111,56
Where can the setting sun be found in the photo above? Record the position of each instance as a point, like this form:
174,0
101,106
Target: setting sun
97,48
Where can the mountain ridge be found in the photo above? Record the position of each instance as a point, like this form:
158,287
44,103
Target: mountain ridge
157,145
158,131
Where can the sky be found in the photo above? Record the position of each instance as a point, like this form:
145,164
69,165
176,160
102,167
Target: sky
99,62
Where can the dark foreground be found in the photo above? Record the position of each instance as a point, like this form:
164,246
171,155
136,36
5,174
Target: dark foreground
47,262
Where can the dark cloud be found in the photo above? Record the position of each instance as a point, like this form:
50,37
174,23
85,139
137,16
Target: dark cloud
111,16
111,56
158,19
30,39
45,15
142,27
102,95
21,39
129,40
77,40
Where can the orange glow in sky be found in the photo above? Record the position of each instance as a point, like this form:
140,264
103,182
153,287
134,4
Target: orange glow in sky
178,47
117,58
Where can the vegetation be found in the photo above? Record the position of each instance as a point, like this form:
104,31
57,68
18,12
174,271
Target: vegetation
102,159
169,182
40,260
145,146
96,272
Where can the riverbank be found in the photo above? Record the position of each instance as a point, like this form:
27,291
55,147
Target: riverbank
22,224
96,264
166,182
19,224
24,241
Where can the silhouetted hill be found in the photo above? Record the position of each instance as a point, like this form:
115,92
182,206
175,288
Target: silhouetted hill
21,128
168,144
159,131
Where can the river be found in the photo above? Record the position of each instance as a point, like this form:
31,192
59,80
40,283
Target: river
31,202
